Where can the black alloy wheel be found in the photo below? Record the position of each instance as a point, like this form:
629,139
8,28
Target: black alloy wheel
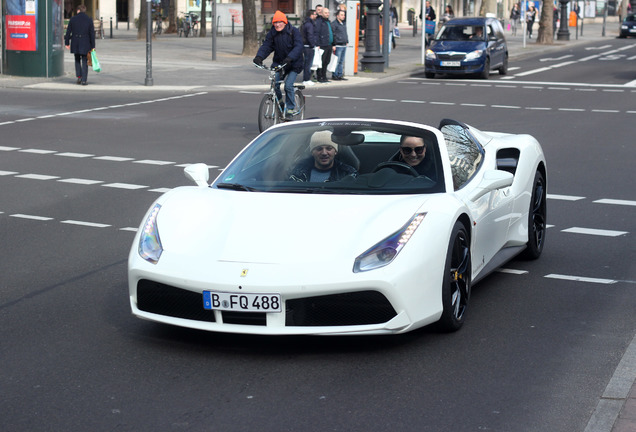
457,280
537,216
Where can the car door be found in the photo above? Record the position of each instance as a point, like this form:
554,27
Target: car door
495,49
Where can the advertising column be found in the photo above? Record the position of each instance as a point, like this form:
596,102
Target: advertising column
33,36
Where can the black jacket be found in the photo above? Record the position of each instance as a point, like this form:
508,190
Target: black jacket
302,172
339,33
80,34
324,32
308,32
287,43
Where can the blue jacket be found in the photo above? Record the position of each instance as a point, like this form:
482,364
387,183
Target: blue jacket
80,34
308,32
287,43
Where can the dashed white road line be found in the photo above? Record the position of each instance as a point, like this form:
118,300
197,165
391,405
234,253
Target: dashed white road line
596,232
32,217
614,201
87,224
565,197
581,279
124,186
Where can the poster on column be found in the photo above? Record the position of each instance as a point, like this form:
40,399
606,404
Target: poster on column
21,25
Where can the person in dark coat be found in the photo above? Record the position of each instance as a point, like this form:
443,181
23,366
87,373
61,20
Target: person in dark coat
285,41
80,35
310,41
325,42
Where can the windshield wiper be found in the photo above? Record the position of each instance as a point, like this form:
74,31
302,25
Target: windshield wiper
235,186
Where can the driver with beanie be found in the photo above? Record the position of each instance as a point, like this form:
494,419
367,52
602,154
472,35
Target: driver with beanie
322,165
285,41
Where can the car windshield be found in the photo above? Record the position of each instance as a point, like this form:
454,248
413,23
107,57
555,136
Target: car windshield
339,157
630,18
461,32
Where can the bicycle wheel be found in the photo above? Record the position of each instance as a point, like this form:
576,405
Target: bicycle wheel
268,114
299,98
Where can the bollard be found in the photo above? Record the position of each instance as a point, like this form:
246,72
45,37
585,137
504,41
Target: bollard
111,27
117,22
101,26
232,26
415,27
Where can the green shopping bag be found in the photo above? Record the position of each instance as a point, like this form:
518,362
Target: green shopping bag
96,65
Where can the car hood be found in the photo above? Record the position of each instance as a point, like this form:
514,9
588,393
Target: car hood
459,46
259,227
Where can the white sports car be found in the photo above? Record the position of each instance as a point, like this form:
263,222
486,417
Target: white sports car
341,226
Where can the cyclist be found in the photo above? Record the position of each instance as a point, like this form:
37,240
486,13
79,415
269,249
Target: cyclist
285,41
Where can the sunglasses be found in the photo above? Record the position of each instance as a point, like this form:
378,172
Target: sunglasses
418,150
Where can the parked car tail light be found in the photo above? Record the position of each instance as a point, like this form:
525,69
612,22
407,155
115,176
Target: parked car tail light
386,250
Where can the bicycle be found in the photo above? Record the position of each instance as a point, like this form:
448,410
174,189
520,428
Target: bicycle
271,111
185,26
158,24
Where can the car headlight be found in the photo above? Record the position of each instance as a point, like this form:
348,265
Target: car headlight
474,55
624,27
150,247
385,251
430,54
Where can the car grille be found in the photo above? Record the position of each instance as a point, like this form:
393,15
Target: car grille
451,56
356,308
167,300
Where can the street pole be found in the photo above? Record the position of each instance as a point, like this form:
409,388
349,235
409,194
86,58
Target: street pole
148,81
214,29
564,32
372,60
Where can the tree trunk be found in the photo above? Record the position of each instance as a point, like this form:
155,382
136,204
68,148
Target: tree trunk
172,17
203,19
250,39
546,35
141,28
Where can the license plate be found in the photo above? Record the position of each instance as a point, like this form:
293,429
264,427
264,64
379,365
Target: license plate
243,302
632,30
451,63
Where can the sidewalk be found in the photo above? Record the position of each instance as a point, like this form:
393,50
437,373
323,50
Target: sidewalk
185,64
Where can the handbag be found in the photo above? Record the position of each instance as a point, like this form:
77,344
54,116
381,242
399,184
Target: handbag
96,65
317,63
331,67
430,27
396,32
89,60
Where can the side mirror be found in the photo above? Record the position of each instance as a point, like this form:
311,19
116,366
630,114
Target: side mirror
198,173
493,179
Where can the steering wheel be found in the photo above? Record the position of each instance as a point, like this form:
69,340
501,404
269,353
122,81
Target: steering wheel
399,167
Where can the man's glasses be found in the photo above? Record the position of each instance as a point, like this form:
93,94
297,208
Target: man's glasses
407,150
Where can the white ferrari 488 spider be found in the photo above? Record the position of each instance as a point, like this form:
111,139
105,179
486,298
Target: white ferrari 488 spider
341,226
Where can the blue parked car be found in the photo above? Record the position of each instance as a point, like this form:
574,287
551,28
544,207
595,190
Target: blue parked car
463,46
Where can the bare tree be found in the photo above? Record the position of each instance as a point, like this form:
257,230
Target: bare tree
203,18
172,17
250,39
546,35
141,27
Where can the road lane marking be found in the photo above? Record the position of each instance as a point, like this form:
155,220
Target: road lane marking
7,173
3,148
565,197
614,201
37,151
38,176
74,155
581,279
124,186
32,217
153,162
512,271
83,223
80,181
596,232
114,158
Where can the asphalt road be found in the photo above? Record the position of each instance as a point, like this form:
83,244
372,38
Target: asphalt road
541,341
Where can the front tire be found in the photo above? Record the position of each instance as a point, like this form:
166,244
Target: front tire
457,280
537,216
268,114
429,75
486,72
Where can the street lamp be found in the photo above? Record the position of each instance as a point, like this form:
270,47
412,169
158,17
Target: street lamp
372,59
564,33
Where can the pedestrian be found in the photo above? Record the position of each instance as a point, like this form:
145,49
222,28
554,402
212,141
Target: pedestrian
340,41
531,15
515,15
285,41
310,41
555,18
80,35
448,14
429,15
325,42
393,16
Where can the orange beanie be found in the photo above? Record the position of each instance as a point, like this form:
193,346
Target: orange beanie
279,16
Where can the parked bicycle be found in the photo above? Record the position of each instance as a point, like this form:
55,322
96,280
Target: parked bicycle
158,23
271,111
188,25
